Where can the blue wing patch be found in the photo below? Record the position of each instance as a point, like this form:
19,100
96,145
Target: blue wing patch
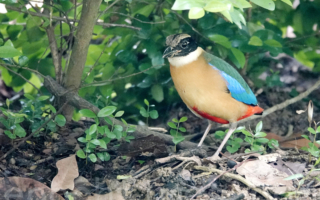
236,89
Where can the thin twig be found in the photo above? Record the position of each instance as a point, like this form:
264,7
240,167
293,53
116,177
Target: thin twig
161,22
96,62
107,8
194,29
34,132
22,77
71,20
284,104
19,67
233,176
100,83
56,57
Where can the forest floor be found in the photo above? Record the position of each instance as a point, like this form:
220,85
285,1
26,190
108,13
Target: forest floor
148,169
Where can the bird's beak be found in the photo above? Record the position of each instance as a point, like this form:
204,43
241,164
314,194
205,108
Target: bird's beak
169,52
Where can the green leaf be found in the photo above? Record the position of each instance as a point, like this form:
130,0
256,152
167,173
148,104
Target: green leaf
259,127
196,13
82,139
92,129
182,129
131,129
239,56
273,43
305,136
260,135
173,132
295,176
267,4
287,2
87,113
262,140
255,41
187,4
220,39
217,6
19,131
241,4
177,139
157,92
311,130
273,143
232,149
124,121
119,113
100,156
106,111
146,102
143,112
52,108
43,98
318,129
172,125
9,52
106,156
175,120
93,158
29,96
60,120
154,114
110,135
23,60
9,134
103,144
81,154
95,142
219,134
183,119
248,139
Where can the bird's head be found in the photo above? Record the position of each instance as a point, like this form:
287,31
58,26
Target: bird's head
181,49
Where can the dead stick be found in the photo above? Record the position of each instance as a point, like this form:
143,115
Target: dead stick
233,176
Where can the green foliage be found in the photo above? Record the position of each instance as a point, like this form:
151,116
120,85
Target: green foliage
256,140
147,113
35,111
312,149
99,136
176,128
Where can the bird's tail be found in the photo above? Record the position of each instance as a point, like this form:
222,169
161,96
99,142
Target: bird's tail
252,110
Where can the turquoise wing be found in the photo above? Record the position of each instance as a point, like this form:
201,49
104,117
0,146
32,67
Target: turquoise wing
237,86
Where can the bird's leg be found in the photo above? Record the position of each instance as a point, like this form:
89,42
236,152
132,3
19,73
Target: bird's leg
232,128
205,133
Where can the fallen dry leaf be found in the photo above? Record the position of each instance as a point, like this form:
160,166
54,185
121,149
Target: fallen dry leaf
109,196
67,172
19,188
261,174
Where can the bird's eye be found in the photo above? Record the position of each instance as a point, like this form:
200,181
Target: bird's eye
184,45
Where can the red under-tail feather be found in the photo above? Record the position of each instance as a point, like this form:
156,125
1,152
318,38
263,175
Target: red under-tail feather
251,111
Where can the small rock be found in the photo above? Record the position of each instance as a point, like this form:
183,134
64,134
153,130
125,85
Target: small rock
12,161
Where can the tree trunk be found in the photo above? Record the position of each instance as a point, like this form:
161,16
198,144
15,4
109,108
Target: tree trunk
80,49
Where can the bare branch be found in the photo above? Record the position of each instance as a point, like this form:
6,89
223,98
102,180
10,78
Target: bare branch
56,58
21,77
25,68
100,83
71,20
284,104
80,103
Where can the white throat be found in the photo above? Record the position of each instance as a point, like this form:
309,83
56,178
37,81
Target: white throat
184,60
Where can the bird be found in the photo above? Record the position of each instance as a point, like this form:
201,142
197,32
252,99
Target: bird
209,86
